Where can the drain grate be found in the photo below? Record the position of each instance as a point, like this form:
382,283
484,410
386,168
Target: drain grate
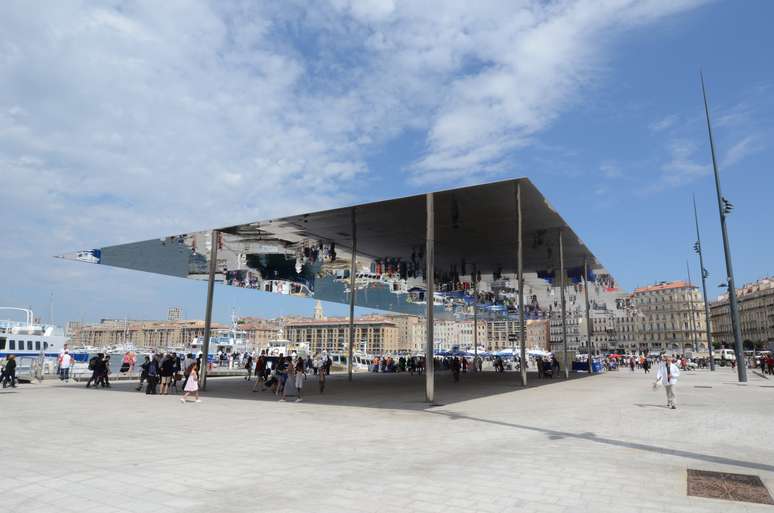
732,487
702,386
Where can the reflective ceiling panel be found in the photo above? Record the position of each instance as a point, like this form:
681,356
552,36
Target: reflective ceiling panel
309,255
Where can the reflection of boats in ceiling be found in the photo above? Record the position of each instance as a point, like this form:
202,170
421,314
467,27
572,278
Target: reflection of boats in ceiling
286,287
394,284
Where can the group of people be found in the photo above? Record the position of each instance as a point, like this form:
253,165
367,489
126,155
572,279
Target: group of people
165,370
412,364
99,366
766,363
281,373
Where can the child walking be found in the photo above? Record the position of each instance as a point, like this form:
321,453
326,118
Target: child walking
192,385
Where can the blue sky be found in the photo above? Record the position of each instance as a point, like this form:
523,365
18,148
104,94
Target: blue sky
124,121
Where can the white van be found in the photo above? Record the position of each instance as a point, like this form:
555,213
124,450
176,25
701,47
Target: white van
724,354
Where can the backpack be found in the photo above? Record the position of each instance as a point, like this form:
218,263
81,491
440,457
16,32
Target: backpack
92,363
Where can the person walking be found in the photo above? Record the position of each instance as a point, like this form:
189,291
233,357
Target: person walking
192,385
260,372
289,377
249,367
667,375
321,378
9,371
153,375
455,368
300,377
143,373
166,372
94,368
104,371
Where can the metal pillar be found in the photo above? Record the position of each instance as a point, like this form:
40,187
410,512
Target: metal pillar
690,307
352,292
429,296
208,309
520,277
475,323
704,273
564,304
741,366
589,329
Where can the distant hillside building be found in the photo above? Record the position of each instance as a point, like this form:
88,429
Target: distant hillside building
174,313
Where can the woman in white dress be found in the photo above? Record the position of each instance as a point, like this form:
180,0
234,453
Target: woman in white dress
192,385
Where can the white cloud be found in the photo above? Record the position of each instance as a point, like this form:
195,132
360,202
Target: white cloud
743,148
120,121
611,170
664,123
682,168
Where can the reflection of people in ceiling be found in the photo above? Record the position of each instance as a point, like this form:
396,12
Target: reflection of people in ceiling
279,266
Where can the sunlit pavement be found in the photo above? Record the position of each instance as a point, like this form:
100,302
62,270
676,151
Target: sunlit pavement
598,443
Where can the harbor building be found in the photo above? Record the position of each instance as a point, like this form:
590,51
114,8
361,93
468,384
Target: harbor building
756,316
373,335
151,334
670,317
497,332
572,323
538,334
628,337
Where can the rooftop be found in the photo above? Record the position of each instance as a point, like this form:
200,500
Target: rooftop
679,284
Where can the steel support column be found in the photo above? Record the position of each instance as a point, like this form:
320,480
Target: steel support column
520,277
352,293
208,310
475,321
429,297
562,284
589,329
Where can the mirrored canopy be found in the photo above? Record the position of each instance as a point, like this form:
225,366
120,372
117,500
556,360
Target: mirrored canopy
310,254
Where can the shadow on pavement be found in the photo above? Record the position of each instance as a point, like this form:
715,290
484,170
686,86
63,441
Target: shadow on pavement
369,390
591,437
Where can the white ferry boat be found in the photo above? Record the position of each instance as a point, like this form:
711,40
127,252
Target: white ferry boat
28,339
228,341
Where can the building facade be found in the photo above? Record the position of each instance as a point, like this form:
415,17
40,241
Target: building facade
497,332
669,316
756,315
373,335
151,334
538,334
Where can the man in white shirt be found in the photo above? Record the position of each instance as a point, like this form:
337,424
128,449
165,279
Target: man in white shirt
65,361
667,375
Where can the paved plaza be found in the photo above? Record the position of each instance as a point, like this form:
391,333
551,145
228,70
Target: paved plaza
596,444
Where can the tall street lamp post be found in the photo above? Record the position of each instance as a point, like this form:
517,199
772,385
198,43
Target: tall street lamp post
724,207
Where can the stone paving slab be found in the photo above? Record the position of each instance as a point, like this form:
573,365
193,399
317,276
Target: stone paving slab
595,443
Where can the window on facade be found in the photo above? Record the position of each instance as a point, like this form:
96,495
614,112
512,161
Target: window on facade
11,344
